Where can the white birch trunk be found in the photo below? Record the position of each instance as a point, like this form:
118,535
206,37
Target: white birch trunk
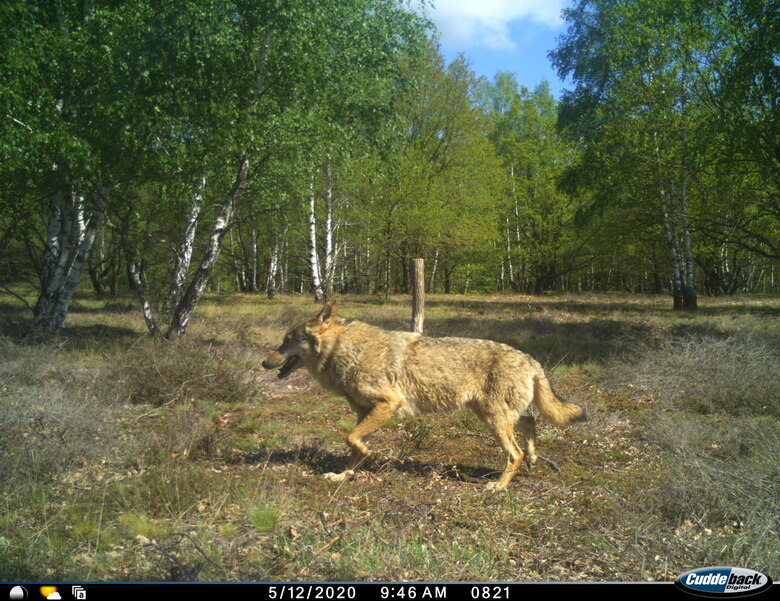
689,291
52,253
418,295
186,247
60,309
330,258
509,266
273,266
284,262
432,284
314,260
136,274
253,260
186,306
57,254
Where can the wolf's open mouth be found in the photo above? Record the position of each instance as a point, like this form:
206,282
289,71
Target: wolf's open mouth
288,367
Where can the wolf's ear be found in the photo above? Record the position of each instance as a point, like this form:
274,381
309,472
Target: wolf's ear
328,313
323,319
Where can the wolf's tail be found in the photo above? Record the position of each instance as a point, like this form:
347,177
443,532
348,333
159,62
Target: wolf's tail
551,407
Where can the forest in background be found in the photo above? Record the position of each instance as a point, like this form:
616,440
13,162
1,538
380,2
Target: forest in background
290,146
164,155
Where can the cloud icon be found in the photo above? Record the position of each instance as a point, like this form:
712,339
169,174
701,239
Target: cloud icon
55,596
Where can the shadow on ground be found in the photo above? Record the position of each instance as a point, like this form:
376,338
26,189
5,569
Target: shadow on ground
321,461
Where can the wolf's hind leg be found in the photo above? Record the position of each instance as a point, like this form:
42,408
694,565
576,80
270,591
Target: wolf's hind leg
504,431
527,426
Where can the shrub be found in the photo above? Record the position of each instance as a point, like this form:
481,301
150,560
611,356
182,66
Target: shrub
705,374
717,401
161,373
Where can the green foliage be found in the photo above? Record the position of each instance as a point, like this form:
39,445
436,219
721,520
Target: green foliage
664,152
655,109
536,217
435,196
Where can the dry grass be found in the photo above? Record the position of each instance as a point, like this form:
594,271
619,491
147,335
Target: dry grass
48,415
136,460
737,374
165,373
719,400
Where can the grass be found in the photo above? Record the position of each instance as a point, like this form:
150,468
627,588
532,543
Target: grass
129,459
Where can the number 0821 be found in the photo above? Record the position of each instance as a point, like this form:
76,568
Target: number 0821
490,592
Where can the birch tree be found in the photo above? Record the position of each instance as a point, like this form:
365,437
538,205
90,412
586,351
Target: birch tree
44,125
113,106
634,66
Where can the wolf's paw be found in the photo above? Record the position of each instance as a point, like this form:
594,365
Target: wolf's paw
494,487
334,477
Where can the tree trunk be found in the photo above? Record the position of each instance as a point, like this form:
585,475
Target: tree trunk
186,306
330,258
186,246
468,279
253,260
102,265
432,284
690,301
674,213
273,266
284,256
136,273
508,240
56,255
70,238
448,279
314,259
86,239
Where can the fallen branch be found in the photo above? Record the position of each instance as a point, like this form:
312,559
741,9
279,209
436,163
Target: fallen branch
552,464
326,546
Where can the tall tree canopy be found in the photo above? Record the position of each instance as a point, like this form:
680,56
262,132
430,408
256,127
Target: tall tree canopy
316,147
652,78
152,114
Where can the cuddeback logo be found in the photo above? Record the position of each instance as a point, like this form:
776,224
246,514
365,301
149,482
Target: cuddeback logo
723,582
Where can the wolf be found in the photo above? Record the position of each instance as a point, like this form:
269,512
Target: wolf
385,373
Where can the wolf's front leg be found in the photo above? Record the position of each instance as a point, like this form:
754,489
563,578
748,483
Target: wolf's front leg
360,453
367,423
357,457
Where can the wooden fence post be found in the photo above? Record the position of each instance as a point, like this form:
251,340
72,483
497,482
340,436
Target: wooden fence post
418,295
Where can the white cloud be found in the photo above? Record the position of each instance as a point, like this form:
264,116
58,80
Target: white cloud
485,23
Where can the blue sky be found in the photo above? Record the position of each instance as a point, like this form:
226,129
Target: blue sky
502,35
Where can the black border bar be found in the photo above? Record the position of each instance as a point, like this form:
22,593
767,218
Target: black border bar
347,591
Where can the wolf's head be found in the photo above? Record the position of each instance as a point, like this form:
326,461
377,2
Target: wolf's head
303,342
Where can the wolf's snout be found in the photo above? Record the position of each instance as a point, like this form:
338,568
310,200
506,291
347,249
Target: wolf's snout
273,361
287,364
